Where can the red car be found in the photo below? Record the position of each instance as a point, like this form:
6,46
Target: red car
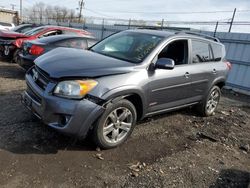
11,42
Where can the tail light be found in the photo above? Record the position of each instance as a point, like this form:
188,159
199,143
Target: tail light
229,65
18,43
36,50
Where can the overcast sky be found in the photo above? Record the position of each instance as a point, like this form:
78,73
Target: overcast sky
151,10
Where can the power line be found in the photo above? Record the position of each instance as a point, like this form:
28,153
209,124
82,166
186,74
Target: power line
190,12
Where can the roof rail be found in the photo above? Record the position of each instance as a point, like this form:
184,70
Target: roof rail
159,28
199,34
150,27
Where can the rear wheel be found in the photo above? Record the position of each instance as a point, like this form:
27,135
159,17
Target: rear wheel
208,106
115,125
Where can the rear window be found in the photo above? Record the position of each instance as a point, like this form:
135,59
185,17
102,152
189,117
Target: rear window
73,43
34,31
201,52
69,32
217,51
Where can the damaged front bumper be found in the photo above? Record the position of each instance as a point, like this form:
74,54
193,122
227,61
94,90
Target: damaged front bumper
72,117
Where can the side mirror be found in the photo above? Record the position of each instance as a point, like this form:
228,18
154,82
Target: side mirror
164,63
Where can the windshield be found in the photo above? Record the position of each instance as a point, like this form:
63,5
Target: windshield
129,46
34,31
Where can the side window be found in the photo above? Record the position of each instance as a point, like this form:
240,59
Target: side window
67,32
91,42
25,29
51,33
201,52
177,50
217,51
73,43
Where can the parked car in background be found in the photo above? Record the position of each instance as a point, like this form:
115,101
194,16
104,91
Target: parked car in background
32,49
24,28
6,26
127,76
11,42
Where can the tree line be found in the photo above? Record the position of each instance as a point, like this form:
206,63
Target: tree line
43,13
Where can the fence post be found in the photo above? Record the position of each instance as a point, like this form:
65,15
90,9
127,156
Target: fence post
162,24
216,27
102,28
129,23
84,24
232,21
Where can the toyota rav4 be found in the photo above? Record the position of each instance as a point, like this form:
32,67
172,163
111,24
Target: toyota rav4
126,77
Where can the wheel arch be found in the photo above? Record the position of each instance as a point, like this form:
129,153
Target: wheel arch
132,94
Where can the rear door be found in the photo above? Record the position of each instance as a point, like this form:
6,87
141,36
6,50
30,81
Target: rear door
203,69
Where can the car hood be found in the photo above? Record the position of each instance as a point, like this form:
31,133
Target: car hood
67,62
11,34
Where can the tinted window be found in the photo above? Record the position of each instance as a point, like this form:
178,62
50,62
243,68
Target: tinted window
91,42
129,46
67,32
51,33
201,52
22,28
34,31
217,51
177,51
73,43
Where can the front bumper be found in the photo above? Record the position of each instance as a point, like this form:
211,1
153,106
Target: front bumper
72,117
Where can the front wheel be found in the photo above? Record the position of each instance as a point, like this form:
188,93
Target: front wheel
115,125
208,106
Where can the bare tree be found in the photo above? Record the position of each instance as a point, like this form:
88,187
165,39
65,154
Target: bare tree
40,10
43,13
72,15
48,13
65,13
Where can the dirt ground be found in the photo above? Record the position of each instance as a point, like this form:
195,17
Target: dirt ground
178,149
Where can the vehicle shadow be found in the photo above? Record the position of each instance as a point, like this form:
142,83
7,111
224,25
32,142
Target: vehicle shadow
11,70
23,133
232,178
34,137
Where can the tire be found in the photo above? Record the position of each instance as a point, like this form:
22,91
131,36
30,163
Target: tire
210,103
115,125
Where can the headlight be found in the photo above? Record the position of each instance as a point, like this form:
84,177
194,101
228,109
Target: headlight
74,89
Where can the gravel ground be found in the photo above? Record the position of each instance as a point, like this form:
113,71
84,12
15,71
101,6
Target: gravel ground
178,149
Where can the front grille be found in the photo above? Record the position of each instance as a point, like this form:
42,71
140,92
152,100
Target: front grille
33,95
40,77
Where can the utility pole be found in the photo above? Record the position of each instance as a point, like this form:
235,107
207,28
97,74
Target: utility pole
13,6
81,5
232,21
21,10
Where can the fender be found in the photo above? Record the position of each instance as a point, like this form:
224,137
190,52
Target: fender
218,80
124,91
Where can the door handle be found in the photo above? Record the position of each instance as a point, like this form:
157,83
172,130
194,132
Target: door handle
214,71
186,75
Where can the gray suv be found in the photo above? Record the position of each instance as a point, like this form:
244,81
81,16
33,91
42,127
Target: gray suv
128,76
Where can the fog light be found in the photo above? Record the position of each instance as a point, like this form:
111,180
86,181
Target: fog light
64,119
